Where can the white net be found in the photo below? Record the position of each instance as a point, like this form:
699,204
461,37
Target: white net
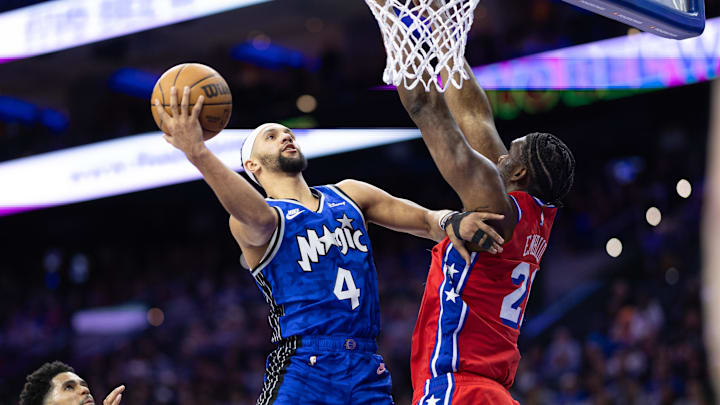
423,37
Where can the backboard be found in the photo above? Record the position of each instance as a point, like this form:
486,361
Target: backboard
676,19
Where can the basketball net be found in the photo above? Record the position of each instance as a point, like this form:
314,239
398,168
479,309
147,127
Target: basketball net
421,40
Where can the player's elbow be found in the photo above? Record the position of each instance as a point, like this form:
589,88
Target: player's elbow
417,109
431,114
464,164
419,104
466,172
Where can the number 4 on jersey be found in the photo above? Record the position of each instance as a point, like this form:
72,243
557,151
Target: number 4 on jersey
344,277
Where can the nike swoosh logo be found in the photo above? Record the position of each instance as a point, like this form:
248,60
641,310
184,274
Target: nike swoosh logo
333,205
293,214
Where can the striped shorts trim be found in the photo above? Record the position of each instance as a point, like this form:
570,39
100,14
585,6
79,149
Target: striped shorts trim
277,364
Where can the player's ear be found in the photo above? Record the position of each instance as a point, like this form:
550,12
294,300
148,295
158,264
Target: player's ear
251,166
520,174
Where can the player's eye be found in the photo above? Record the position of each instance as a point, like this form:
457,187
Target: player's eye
69,387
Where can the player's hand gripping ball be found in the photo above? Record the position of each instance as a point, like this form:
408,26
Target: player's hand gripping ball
204,81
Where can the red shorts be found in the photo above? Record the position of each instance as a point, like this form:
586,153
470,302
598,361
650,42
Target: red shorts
459,389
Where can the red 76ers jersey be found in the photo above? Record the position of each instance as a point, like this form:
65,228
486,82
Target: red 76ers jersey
470,316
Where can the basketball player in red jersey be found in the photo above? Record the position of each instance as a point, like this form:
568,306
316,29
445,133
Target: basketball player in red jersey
464,348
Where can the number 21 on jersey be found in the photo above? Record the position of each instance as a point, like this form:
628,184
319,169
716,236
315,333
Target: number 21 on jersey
511,312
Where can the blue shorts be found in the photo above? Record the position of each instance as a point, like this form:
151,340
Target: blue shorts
324,370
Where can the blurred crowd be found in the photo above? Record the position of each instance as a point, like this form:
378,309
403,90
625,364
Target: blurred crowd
644,346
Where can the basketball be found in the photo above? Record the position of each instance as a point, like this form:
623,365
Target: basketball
202,80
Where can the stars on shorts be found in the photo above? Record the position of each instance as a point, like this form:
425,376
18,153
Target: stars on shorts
451,270
432,400
451,295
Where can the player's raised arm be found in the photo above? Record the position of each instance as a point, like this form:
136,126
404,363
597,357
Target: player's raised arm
473,176
471,110
255,218
402,215
470,106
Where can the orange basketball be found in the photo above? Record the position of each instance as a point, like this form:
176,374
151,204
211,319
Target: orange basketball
202,80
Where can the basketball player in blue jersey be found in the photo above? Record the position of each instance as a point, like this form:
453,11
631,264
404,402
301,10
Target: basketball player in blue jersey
309,252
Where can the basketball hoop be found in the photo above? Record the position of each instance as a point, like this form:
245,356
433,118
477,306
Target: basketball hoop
423,39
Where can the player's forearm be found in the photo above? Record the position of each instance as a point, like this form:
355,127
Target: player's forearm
471,109
237,196
459,165
410,217
448,147
397,214
469,98
473,176
400,215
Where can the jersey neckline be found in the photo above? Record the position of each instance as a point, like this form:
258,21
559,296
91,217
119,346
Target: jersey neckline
317,193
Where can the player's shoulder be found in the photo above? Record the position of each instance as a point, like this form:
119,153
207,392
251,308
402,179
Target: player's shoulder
357,191
526,203
351,186
523,198
344,189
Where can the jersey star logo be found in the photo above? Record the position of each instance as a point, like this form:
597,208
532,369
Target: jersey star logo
345,221
451,270
432,400
328,239
451,295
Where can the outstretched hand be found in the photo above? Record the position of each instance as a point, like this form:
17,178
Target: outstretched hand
115,396
470,224
182,128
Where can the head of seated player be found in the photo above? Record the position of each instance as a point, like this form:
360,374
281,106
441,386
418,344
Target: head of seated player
55,384
540,164
271,154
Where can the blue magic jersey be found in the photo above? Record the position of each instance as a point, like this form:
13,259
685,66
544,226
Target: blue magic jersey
318,273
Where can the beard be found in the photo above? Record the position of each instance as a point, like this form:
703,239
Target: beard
284,164
292,165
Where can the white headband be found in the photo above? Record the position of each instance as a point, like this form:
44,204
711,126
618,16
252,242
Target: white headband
248,145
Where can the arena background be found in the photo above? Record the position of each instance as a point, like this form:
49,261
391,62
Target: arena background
598,329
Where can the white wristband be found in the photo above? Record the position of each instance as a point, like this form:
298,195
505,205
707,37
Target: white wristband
443,220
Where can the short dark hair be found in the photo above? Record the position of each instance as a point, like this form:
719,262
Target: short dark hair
551,165
38,383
